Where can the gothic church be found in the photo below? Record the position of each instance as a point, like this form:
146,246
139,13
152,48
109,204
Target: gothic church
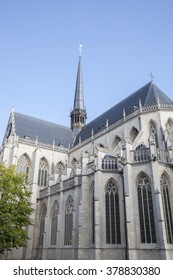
102,190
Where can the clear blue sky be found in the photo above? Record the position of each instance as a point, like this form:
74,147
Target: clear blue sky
124,40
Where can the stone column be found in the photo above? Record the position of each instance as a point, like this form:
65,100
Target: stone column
61,222
98,197
75,232
157,198
130,229
83,242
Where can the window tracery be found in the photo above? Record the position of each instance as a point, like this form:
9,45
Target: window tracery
164,184
23,165
153,133
68,221
169,129
43,173
146,211
60,169
141,153
113,231
54,223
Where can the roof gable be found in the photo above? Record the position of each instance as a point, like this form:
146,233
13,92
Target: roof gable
156,95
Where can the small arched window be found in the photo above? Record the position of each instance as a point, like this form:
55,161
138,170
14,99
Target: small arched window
164,184
169,129
153,133
146,211
113,231
69,208
60,168
23,165
43,173
54,223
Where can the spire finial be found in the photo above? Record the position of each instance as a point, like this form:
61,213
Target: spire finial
151,76
80,49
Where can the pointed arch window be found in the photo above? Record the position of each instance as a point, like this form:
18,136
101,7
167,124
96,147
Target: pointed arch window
146,211
60,168
43,173
54,223
69,208
113,231
23,165
74,167
42,225
164,184
169,128
92,214
153,133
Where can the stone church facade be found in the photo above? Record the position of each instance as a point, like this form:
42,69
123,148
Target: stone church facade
102,190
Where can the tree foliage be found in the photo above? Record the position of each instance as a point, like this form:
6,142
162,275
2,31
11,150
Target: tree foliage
15,209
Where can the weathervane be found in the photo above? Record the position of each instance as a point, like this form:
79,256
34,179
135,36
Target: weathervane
80,49
151,76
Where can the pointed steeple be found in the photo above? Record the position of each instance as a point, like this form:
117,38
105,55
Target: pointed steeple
79,99
78,114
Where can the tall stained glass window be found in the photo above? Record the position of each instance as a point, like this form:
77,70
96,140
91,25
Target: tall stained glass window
113,231
146,212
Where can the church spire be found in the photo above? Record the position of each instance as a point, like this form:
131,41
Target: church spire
79,99
78,115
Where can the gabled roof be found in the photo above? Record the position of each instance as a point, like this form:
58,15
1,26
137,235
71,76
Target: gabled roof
149,94
45,132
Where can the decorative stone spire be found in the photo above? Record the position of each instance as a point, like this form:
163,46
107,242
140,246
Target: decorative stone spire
78,114
79,99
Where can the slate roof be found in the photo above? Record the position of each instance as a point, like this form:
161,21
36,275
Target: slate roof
148,95
45,132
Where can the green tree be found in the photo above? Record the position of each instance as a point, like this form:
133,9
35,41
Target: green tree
15,209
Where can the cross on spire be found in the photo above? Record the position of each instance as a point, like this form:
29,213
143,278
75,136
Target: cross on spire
151,76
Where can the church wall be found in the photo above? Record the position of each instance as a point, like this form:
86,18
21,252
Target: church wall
60,251
88,167
107,140
150,251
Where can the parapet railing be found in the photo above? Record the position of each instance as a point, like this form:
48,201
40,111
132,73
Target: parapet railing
144,155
